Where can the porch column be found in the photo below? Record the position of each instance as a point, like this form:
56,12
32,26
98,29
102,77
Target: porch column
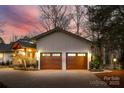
38,58
25,50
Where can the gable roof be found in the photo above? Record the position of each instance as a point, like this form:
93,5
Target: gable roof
57,29
25,42
5,47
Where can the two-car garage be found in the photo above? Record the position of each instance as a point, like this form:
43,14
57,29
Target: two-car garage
53,60
62,50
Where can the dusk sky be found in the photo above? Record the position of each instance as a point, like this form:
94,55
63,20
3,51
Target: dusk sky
19,20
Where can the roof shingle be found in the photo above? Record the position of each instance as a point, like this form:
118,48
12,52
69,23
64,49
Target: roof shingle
5,47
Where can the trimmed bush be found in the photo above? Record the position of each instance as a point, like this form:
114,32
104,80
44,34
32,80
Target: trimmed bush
95,64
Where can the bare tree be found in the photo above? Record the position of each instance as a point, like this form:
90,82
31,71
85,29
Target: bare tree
78,16
14,38
2,23
1,40
53,16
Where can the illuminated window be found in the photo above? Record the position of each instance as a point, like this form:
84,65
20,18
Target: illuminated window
21,53
71,54
1,56
57,54
45,54
81,54
29,50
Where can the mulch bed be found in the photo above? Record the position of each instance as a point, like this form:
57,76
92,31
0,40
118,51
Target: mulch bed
96,70
27,69
114,79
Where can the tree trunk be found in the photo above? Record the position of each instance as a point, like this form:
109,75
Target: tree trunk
77,28
24,64
107,56
122,59
99,51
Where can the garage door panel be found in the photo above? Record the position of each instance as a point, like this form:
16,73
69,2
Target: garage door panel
56,59
45,59
51,61
77,61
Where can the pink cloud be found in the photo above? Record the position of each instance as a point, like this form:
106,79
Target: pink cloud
20,20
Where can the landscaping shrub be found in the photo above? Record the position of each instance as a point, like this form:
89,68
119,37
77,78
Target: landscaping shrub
121,60
8,62
3,63
91,65
0,63
95,64
20,65
122,65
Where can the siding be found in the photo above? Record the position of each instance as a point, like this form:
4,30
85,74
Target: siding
6,57
61,42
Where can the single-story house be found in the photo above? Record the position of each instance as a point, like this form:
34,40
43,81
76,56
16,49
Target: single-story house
5,53
24,51
60,49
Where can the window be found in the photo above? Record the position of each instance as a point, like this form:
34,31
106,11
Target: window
56,54
46,54
81,54
72,54
29,54
1,55
21,53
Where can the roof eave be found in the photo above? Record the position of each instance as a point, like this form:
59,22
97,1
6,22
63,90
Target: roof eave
59,30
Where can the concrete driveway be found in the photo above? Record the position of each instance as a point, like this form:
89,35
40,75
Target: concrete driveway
50,79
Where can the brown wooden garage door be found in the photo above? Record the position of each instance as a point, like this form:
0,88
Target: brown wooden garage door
76,60
51,61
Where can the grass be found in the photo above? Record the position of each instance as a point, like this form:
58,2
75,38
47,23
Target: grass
114,79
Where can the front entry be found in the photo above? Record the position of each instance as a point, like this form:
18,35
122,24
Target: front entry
51,60
76,61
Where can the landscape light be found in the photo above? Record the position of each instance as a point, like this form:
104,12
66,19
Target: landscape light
114,59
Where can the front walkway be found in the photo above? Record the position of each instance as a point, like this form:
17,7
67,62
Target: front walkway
49,79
